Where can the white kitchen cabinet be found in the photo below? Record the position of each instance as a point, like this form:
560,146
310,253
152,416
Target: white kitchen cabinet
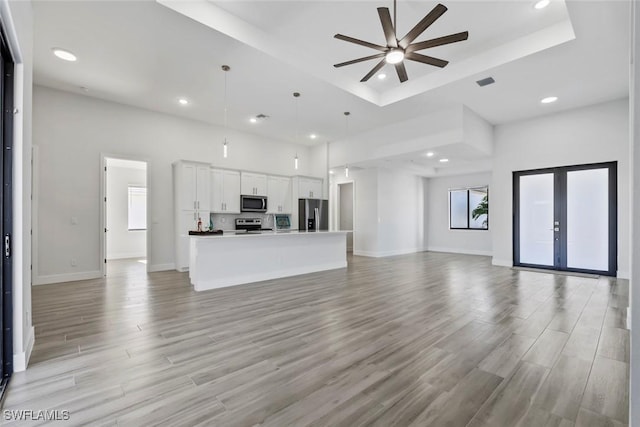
192,200
309,188
253,184
192,185
203,188
225,191
187,221
279,195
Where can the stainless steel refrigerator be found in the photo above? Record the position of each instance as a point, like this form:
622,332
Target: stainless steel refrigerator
313,215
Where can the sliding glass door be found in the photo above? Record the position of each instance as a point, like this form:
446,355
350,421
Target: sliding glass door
565,218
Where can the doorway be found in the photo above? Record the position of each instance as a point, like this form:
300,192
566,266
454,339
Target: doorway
565,218
125,214
6,215
345,211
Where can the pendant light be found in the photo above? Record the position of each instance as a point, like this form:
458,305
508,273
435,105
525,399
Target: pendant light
296,96
346,127
225,149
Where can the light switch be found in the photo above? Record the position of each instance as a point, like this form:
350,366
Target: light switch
74,220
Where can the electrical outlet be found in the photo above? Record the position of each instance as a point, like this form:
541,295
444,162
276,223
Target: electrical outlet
74,262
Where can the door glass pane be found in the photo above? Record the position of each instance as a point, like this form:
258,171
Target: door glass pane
588,219
458,206
536,219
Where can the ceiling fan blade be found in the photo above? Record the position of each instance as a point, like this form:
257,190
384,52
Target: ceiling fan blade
373,70
426,59
360,42
387,27
451,38
431,17
355,61
402,72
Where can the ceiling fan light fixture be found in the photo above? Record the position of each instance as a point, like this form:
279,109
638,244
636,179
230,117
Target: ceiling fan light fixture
394,56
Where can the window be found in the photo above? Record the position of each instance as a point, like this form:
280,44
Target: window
137,208
469,209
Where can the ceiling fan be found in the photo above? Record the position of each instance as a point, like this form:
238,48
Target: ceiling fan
397,49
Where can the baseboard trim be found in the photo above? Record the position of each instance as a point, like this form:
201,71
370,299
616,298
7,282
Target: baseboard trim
68,277
125,255
21,360
623,274
459,251
502,262
379,254
161,267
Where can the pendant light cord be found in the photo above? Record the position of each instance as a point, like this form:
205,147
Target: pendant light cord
225,106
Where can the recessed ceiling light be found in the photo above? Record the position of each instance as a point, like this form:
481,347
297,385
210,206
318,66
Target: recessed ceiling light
549,99
64,54
541,4
313,136
331,172
183,101
430,154
382,76
253,120
444,160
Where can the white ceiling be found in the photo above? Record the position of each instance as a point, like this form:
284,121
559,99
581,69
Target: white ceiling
144,54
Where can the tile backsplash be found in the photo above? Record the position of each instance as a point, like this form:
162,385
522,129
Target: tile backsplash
227,221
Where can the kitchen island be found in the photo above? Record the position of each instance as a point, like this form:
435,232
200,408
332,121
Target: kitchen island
232,258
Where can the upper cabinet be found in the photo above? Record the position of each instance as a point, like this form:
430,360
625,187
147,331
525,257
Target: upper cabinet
279,195
225,191
192,186
253,184
309,188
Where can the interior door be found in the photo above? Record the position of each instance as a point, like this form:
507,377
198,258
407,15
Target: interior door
565,218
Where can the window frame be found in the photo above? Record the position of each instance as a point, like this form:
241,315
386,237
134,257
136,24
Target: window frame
469,210
129,198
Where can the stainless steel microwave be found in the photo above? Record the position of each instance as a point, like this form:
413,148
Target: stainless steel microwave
253,203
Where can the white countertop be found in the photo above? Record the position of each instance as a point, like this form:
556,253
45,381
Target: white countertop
232,234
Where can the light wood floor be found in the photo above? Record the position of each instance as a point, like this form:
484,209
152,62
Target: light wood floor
425,339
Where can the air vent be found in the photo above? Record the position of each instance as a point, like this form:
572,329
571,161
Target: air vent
485,82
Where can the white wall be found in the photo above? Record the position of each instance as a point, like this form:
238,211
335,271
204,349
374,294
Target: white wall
400,213
388,211
122,243
72,131
440,237
17,21
593,134
345,208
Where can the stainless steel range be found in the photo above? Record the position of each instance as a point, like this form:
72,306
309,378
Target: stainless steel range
249,225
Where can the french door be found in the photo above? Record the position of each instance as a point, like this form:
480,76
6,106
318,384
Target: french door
565,218
6,216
